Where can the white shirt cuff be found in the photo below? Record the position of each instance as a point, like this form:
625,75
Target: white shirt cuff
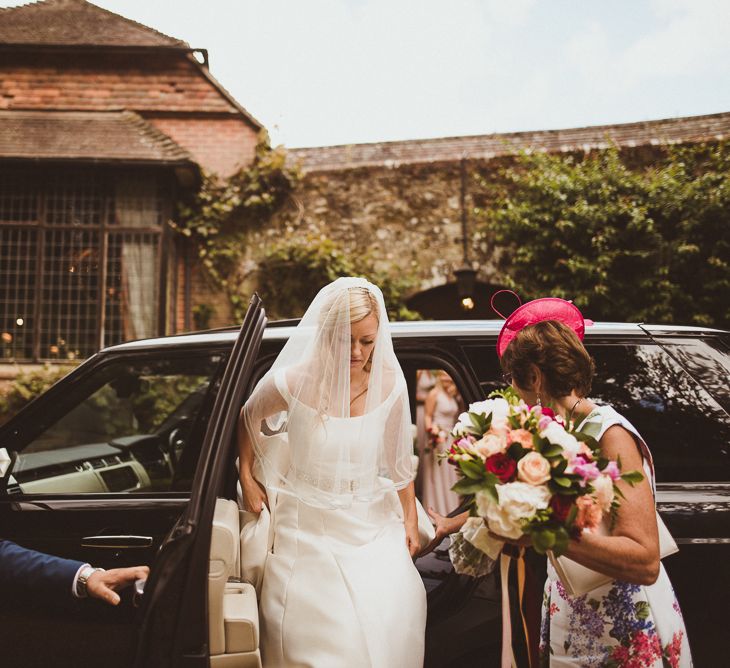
76,578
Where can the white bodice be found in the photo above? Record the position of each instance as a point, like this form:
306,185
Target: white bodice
334,456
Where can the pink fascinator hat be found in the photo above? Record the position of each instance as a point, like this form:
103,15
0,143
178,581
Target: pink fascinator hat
537,310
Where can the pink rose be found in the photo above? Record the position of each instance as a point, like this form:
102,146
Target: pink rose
584,451
547,412
544,422
521,436
588,471
492,443
533,469
589,513
612,470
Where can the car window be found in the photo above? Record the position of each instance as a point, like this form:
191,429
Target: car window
708,360
685,427
129,426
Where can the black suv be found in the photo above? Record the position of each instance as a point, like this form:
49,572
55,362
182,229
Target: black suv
122,463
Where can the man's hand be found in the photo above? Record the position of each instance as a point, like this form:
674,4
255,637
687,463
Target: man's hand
444,526
105,584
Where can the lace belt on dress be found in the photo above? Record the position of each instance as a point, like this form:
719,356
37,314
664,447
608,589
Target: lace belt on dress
327,483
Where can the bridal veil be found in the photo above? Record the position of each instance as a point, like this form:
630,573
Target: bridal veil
306,442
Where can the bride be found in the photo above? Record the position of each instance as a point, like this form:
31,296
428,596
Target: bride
327,432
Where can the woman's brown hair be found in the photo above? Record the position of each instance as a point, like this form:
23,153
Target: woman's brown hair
556,350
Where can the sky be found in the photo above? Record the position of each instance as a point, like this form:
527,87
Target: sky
323,72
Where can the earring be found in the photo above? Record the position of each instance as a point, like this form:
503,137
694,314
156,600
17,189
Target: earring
539,403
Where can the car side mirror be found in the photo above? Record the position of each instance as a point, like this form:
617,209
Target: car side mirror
7,462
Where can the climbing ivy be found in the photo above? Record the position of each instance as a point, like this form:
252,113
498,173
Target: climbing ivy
219,217
293,270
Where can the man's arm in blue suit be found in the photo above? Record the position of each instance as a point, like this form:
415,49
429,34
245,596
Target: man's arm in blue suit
29,573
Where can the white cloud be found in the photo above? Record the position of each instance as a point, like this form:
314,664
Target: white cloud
339,71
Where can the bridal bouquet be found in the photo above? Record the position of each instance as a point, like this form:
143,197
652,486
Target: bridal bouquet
531,474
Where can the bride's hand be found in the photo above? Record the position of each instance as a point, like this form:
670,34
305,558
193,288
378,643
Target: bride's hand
413,542
254,495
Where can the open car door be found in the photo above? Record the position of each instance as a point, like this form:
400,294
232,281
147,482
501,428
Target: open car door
174,626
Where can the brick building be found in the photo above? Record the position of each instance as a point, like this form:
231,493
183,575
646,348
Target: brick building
104,125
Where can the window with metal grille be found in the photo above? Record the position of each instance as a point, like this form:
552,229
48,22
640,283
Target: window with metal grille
80,260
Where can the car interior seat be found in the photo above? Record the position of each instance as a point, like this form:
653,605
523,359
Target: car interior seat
233,618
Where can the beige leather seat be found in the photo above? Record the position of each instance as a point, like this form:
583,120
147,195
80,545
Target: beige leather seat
233,618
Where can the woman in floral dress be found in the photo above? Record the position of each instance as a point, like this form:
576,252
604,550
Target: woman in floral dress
633,621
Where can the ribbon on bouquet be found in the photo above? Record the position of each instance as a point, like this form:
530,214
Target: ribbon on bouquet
508,657
476,533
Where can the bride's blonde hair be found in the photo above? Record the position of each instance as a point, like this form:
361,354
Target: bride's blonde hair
362,304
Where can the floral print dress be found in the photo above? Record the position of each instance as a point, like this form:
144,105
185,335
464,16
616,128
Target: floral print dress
619,624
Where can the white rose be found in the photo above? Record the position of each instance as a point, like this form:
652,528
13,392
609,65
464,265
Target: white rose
482,406
500,410
460,428
555,433
502,523
523,500
498,517
603,486
499,424
517,501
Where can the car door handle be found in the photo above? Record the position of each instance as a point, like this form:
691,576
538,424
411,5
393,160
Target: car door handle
117,542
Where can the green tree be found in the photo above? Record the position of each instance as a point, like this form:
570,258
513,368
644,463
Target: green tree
689,199
624,244
27,386
292,271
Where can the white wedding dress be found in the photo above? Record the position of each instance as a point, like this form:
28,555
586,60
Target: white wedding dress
339,587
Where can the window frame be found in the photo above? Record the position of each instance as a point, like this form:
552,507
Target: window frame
43,191
56,402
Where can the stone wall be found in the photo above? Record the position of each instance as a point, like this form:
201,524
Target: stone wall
406,215
407,218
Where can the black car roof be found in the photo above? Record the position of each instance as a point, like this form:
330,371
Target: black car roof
281,330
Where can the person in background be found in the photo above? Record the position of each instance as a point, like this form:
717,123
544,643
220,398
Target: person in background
425,381
441,411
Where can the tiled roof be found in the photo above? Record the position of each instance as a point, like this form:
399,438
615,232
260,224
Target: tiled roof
108,82
121,136
690,129
76,23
